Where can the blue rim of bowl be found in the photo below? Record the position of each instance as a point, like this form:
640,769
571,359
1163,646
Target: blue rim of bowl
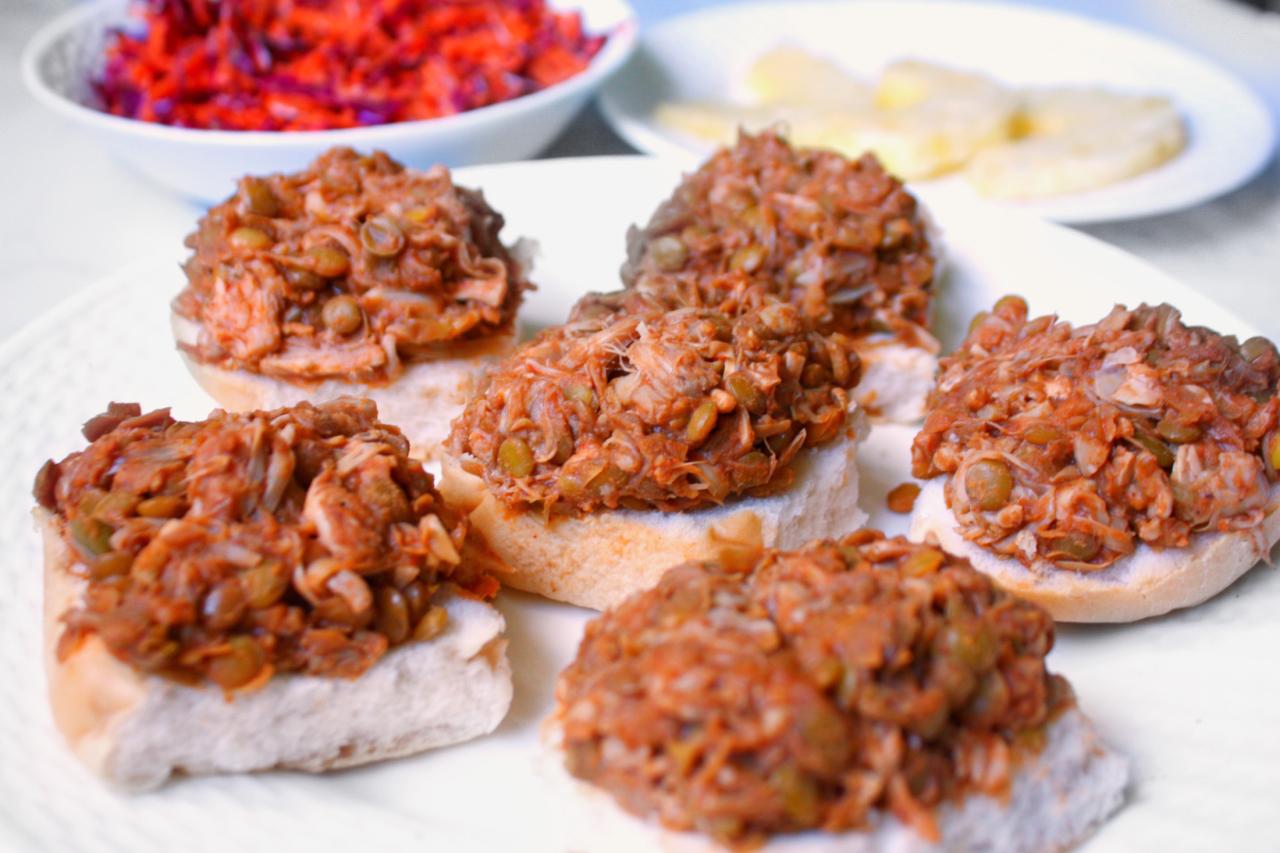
618,48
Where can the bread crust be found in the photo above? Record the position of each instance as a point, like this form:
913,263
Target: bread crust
1058,797
136,730
1146,583
422,401
601,558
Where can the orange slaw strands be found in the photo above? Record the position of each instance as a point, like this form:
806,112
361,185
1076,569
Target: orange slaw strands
325,64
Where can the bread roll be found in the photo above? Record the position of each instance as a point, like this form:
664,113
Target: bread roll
1057,799
599,559
1145,583
136,730
422,401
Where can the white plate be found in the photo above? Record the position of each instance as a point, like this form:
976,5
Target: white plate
65,54
1192,698
704,55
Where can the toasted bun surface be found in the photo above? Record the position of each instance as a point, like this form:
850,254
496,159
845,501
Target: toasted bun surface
1145,583
136,730
1056,800
895,381
599,559
422,402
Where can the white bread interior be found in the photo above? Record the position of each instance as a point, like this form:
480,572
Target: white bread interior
136,730
422,401
1143,584
599,559
896,379
1057,798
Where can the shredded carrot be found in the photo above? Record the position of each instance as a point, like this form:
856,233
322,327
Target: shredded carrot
322,64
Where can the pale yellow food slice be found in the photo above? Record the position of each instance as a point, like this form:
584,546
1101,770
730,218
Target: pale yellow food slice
932,119
788,75
910,82
918,143
793,91
850,133
719,123
925,141
1072,140
921,120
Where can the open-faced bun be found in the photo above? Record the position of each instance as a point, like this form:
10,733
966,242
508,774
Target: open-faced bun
759,212
878,690
1145,583
422,400
353,276
1057,798
136,730
599,559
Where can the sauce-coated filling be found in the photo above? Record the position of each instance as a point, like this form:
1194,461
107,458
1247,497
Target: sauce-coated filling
298,540
644,407
810,689
841,239
1074,445
350,268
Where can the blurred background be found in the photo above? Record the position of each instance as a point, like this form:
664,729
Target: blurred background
71,193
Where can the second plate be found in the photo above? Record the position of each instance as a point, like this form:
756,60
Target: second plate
703,55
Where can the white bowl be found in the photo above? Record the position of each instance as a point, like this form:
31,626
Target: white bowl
67,53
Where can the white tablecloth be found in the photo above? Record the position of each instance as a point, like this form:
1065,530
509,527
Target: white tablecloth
69,215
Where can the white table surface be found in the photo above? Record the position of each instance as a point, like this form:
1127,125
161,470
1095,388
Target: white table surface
70,215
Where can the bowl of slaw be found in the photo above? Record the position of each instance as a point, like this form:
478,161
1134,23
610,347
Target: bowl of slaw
65,63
